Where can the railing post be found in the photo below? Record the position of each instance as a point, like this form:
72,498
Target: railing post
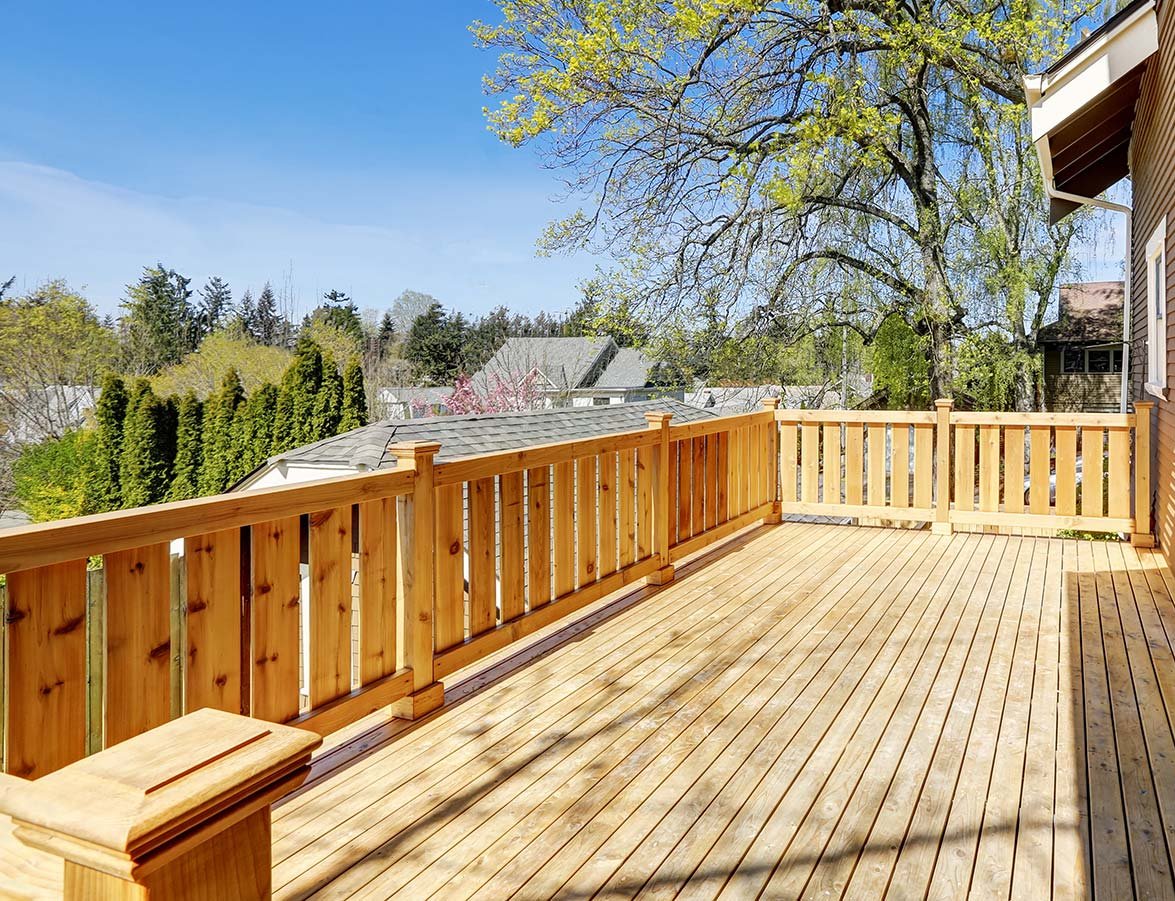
771,404
942,494
416,568
1142,536
661,512
181,812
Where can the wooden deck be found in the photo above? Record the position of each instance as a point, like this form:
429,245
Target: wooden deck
817,711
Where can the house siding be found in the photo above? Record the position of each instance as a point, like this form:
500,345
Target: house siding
1087,392
1152,156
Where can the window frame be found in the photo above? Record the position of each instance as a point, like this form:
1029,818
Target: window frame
1156,311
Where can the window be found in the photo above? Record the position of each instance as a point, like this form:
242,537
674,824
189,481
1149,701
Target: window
1073,359
1097,360
1156,310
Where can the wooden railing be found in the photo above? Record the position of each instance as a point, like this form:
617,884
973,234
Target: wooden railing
117,623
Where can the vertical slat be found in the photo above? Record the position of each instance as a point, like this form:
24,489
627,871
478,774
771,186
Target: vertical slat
831,467
899,481
810,463
585,520
771,450
989,468
46,658
698,500
877,464
965,467
685,470
627,487
277,589
942,464
538,497
854,463
377,589
1039,468
724,476
213,563
330,604
513,546
606,473
747,462
923,465
1119,494
674,504
1014,469
138,641
1142,474
1093,465
450,598
735,472
1066,440
96,657
788,471
644,501
712,481
483,612
759,463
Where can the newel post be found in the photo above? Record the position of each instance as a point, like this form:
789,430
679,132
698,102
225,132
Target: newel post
416,568
771,404
1142,535
661,512
942,493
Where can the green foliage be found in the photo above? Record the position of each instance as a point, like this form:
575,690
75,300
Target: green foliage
160,324
354,412
51,480
898,360
203,371
218,450
268,326
106,450
189,449
608,309
328,403
294,418
253,431
148,448
339,312
216,304
994,373
435,345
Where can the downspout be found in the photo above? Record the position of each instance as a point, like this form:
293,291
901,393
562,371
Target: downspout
1126,318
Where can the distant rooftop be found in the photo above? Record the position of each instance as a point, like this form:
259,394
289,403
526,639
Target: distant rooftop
566,363
1087,312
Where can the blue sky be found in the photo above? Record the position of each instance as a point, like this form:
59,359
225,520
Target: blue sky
342,142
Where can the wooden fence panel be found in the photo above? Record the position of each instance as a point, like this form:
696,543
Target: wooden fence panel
538,491
482,546
213,676
276,612
377,589
330,605
585,520
450,593
138,641
513,546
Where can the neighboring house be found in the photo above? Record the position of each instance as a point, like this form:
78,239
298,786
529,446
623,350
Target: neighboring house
409,402
1105,111
577,372
366,448
1083,349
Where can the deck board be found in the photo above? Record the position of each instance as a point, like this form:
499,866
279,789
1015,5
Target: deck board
821,711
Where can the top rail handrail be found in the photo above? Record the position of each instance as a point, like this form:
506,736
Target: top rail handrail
27,547
866,416
1093,420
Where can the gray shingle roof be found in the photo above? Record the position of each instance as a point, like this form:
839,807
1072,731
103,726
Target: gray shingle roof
630,368
461,436
565,362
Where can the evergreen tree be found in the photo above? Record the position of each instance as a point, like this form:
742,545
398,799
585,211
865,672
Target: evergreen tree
340,312
160,324
300,384
386,335
435,345
216,304
189,451
219,413
253,431
105,491
267,320
328,404
354,410
247,315
148,448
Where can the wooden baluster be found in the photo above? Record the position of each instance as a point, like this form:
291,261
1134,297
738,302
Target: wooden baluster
377,589
771,404
1142,536
483,613
330,605
513,546
810,463
585,520
674,493
1093,471
538,491
831,467
723,513
564,512
1039,468
662,512
1014,469
899,485
713,479
942,466
965,467
877,464
606,474
685,469
747,463
276,610
698,494
854,464
46,657
989,468
1066,438
788,466
416,567
213,673
1119,494
450,556
923,465
626,485
646,463
138,641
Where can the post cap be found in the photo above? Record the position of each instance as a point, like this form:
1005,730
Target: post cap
771,403
411,450
657,417
944,402
1143,404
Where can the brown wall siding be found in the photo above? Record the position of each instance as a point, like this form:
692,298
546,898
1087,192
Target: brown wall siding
1152,154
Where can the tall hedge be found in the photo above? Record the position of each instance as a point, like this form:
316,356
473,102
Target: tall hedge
218,465
105,452
148,448
294,420
354,411
253,431
189,450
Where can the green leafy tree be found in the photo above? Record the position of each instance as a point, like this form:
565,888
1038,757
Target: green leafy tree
220,412
106,452
354,408
900,362
435,345
148,448
297,395
253,431
159,324
203,371
189,449
51,479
